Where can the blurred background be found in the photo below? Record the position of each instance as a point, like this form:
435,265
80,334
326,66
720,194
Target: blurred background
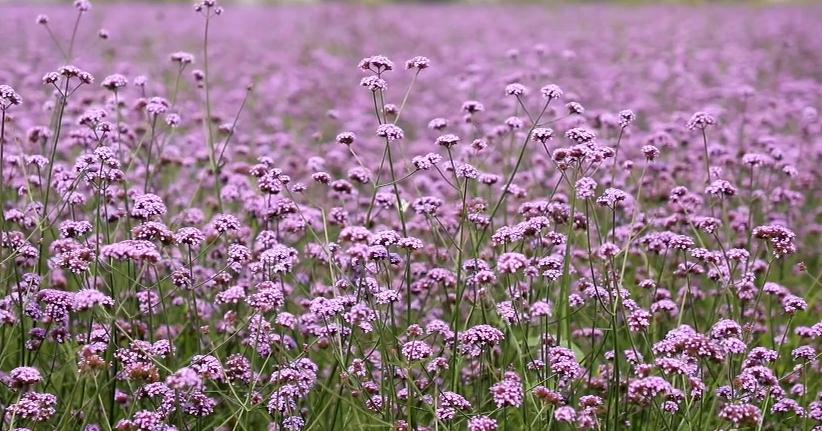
546,2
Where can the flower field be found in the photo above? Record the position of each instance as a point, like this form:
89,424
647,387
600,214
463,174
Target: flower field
410,217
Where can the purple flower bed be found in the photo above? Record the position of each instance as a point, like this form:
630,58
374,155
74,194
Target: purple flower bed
410,218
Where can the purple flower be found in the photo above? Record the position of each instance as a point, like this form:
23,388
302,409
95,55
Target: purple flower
780,238
376,64
741,414
414,351
482,423
114,82
8,97
418,62
508,392
474,340
565,414
390,132
22,377
33,406
551,92
447,141
700,120
148,206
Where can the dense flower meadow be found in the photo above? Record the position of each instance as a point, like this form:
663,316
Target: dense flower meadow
410,218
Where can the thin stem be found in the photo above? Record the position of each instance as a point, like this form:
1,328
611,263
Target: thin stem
707,157
58,127
212,156
70,53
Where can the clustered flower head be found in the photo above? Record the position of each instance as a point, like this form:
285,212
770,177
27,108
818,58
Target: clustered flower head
419,63
114,82
376,64
551,92
701,120
390,132
9,97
